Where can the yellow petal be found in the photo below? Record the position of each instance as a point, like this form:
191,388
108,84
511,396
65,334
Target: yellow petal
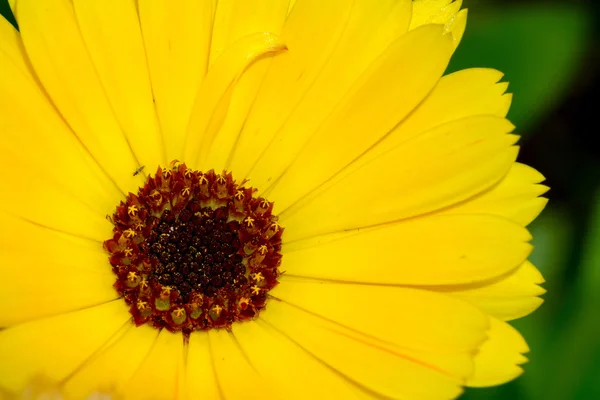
177,39
158,375
68,277
18,235
112,368
366,366
26,352
507,297
235,374
12,50
12,4
200,376
438,322
44,203
499,357
463,94
439,168
112,35
235,19
445,12
330,45
303,377
515,197
423,251
214,95
394,85
68,192
54,45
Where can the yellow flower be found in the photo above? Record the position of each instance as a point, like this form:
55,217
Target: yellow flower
265,199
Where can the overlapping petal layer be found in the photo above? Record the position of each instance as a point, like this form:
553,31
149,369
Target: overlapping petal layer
499,358
506,297
439,168
457,249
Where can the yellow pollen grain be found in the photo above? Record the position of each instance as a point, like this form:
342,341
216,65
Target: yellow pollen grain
255,289
132,276
132,210
250,222
141,304
179,312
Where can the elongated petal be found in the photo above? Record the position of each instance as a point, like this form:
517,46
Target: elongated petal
507,297
462,94
515,197
330,44
443,324
214,95
304,376
177,38
234,371
111,32
75,338
162,366
442,167
499,358
47,288
395,83
114,365
48,272
395,377
432,250
62,62
200,378
34,137
234,20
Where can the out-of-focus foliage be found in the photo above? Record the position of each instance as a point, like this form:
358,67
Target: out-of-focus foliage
544,49
537,46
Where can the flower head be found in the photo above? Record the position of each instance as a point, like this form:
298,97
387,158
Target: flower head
345,222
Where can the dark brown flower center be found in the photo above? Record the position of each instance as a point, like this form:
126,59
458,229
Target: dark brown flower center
194,251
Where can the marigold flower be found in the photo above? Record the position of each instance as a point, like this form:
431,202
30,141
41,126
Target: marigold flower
265,199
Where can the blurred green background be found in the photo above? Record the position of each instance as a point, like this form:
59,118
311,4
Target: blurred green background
549,53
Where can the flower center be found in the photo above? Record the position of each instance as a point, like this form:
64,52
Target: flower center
194,251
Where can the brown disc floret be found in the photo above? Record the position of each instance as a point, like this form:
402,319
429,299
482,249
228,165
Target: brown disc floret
194,251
